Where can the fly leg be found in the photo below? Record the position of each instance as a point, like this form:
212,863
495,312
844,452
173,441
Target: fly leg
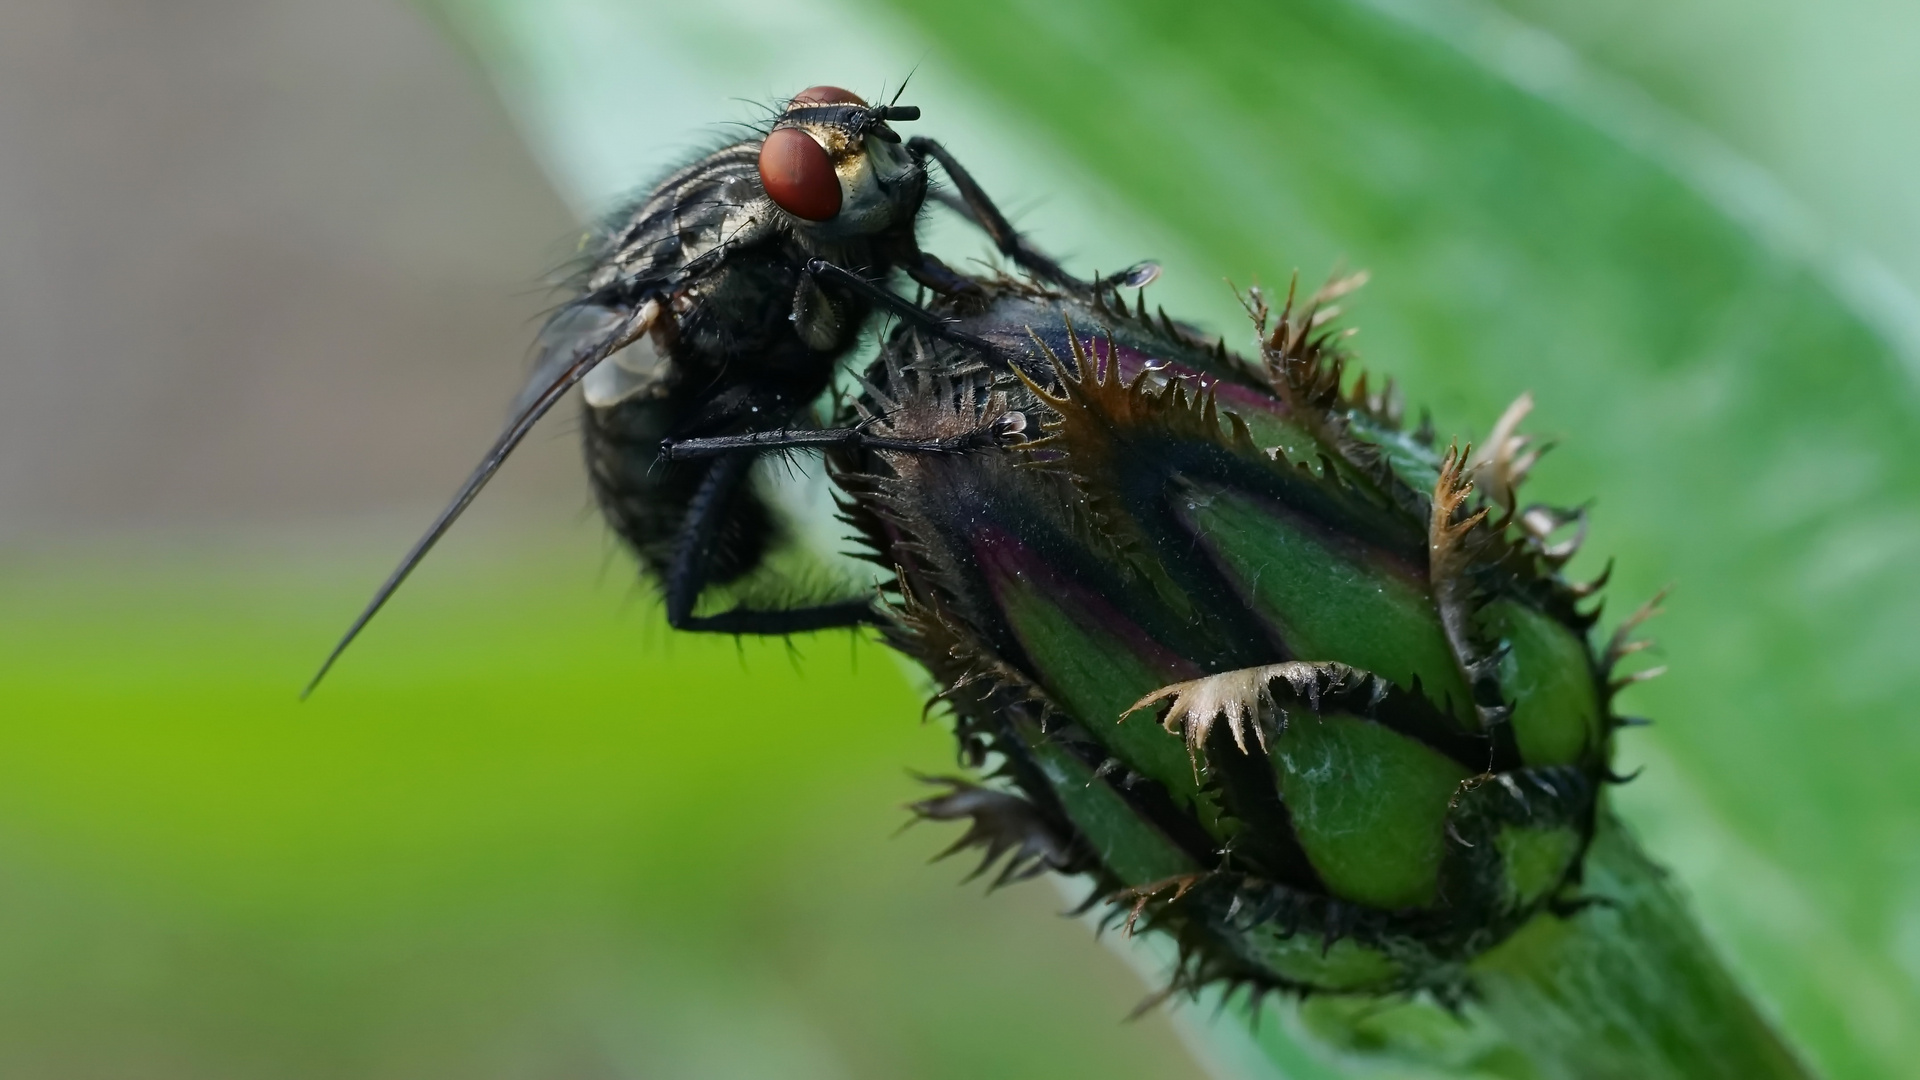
907,310
926,270
1001,432
978,208
686,576
991,221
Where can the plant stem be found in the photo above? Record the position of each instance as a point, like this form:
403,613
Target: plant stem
1627,988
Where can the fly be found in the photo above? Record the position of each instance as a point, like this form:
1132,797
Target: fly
720,305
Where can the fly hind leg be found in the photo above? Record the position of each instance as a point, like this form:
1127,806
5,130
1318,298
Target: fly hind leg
687,572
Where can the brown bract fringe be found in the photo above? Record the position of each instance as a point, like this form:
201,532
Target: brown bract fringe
1091,410
1000,825
1455,543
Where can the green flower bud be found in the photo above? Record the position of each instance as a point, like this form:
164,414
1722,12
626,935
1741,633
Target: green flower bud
1287,681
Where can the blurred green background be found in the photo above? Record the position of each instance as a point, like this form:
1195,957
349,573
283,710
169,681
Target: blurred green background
266,275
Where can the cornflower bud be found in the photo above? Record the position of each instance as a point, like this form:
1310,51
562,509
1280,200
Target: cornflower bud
1235,643
1287,681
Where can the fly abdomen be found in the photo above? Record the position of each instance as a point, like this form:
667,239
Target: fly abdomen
646,500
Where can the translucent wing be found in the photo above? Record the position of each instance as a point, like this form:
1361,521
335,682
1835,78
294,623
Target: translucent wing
577,329
576,340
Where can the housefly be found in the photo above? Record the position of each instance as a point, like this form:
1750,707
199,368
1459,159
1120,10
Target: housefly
721,304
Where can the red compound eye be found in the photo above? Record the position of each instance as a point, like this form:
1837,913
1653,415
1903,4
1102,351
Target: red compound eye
797,175
826,95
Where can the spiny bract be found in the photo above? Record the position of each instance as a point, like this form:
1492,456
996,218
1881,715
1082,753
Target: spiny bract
1284,679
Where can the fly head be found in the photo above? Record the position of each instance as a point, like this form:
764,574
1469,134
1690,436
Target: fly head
837,169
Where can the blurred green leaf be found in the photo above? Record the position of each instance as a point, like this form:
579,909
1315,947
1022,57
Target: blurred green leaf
521,832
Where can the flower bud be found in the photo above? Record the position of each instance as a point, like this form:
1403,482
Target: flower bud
1286,680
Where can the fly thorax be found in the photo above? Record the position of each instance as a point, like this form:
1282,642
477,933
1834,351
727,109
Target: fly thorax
744,218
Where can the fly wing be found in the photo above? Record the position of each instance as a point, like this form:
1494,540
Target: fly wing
639,256
575,332
575,340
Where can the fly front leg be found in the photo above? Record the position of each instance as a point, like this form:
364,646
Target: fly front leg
991,221
978,208
687,574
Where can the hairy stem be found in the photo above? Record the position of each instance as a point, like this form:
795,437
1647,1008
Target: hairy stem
1628,987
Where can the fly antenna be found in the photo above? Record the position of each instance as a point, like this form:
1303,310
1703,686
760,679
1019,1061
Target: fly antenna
878,114
522,422
893,110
